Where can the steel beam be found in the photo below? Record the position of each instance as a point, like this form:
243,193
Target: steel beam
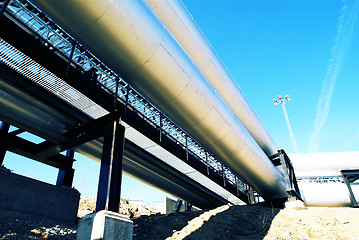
70,58
26,148
109,188
4,129
187,206
3,7
282,162
178,206
79,135
350,176
65,177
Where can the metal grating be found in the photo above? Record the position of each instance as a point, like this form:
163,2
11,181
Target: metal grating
30,69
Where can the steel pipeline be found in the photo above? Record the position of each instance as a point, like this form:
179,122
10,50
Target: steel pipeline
127,36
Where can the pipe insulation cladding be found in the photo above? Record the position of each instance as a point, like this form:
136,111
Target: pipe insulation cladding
184,28
130,39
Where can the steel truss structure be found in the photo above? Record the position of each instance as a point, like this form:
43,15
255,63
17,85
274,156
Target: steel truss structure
108,85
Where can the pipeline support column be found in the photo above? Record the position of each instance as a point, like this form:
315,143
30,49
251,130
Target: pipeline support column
65,177
109,188
106,222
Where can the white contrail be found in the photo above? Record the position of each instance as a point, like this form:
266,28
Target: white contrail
346,22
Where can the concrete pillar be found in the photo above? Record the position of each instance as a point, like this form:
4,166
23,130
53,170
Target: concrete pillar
105,225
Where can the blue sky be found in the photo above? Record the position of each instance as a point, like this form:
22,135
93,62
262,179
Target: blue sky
307,49
287,47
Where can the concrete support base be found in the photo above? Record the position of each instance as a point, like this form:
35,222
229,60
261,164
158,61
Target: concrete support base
295,204
105,225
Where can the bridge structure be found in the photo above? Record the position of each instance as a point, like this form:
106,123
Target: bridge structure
53,87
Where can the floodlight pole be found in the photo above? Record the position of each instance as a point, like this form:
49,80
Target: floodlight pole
282,102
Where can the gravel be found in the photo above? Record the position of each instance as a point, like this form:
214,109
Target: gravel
35,228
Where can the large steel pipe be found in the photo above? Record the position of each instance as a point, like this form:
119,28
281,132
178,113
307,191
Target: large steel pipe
128,37
184,28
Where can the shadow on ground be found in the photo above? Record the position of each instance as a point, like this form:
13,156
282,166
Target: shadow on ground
235,222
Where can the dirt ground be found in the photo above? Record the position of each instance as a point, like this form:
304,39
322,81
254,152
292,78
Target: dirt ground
252,222
315,223
225,222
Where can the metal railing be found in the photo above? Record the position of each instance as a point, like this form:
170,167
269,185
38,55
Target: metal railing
65,46
334,179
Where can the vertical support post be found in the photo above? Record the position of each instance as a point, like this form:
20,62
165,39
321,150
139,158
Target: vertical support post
187,206
4,129
186,147
237,185
4,6
351,194
295,183
109,188
161,126
223,175
251,196
207,163
70,57
284,170
127,96
65,177
116,94
177,206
